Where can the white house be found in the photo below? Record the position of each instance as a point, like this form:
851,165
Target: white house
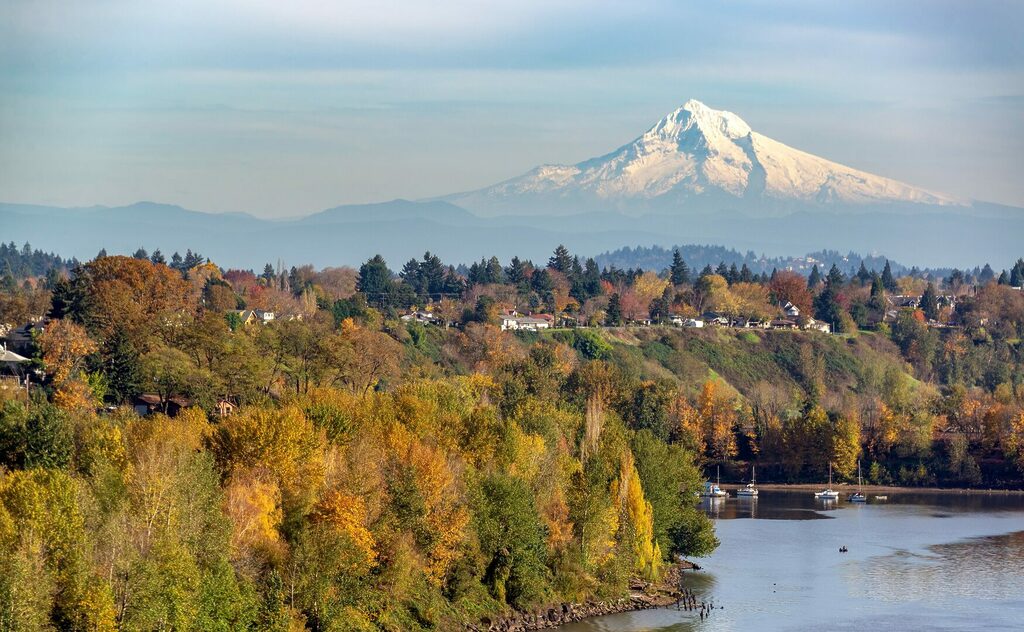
792,311
423,317
250,316
817,325
693,322
523,323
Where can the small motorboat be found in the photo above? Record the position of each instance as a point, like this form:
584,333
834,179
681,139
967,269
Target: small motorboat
858,496
750,489
829,493
881,498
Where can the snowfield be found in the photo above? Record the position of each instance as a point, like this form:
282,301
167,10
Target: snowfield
693,152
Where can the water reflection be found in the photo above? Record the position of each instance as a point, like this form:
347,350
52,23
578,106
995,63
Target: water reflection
976,568
918,561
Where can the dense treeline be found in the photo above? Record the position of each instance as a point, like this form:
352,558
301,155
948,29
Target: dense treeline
373,474
22,263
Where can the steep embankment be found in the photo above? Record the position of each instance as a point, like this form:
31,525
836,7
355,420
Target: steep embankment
794,361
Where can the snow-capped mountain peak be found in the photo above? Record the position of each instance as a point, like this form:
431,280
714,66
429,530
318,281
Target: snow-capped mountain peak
693,156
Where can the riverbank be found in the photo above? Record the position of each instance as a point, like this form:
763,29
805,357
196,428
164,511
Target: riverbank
874,489
643,596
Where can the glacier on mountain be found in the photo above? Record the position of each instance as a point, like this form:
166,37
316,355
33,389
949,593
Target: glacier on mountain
693,156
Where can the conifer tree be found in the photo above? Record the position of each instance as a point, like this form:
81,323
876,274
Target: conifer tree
887,278
679,272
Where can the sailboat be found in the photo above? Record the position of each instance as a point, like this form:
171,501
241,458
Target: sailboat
828,494
750,489
858,496
714,490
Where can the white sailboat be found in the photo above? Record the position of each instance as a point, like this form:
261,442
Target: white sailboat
750,489
829,493
714,490
858,496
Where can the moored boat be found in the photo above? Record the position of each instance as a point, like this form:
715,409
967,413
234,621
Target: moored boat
858,496
829,493
750,489
714,490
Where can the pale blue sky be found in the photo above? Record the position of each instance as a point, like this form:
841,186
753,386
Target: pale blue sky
284,108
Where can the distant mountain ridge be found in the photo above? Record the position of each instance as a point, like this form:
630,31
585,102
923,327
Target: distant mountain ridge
697,159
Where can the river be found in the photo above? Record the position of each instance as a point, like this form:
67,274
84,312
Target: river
917,561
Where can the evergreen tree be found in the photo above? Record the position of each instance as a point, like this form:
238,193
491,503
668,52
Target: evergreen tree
660,306
561,260
374,279
99,255
516,271
734,274
986,275
679,272
158,257
1004,278
141,254
863,276
707,271
814,280
122,367
268,273
827,308
411,275
495,274
835,278
746,276
541,282
1017,273
929,303
722,270
613,315
887,278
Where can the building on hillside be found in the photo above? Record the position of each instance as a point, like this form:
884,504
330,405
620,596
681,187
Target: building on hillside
817,325
515,322
904,300
255,316
783,323
791,310
224,408
420,316
150,403
695,323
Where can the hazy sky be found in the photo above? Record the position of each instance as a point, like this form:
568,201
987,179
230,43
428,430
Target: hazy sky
287,107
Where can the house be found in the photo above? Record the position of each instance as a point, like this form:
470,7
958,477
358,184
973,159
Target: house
817,325
419,316
791,310
904,300
254,316
13,365
783,323
19,339
224,408
693,322
514,322
149,403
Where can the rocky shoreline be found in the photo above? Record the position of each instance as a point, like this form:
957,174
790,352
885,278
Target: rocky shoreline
643,596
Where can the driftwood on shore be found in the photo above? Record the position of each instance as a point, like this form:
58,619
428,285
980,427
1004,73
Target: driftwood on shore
643,596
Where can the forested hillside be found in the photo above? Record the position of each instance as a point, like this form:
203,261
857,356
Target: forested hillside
200,448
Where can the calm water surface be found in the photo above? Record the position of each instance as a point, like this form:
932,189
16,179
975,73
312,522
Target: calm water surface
916,562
